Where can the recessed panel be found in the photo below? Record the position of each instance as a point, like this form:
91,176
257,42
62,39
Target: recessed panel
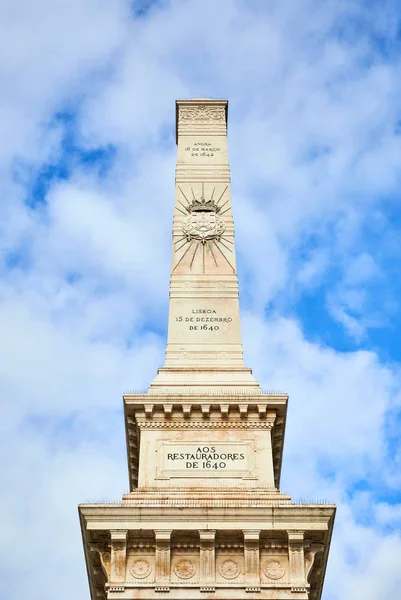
205,459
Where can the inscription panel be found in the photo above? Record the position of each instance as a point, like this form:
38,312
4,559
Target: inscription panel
206,459
203,319
214,321
198,150
201,149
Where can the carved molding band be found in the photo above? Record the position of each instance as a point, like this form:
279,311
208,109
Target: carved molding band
205,425
202,114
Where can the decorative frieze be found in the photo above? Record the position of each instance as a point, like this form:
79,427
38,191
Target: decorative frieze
201,113
205,425
116,588
249,563
229,547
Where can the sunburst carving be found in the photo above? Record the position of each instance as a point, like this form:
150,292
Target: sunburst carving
203,229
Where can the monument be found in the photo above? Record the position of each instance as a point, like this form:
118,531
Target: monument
205,518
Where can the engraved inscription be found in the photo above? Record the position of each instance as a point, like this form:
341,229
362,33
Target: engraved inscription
202,149
206,459
203,319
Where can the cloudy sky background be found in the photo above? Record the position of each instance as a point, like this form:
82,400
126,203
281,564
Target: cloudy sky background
86,197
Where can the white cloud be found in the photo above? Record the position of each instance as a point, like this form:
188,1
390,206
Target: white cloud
388,514
338,401
313,150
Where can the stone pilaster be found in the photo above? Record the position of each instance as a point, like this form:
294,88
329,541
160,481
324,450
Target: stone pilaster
251,554
296,557
162,558
207,557
118,555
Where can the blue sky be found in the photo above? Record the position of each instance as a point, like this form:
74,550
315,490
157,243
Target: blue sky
87,182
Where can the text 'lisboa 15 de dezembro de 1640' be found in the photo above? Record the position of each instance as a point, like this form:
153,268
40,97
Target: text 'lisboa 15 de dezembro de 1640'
205,517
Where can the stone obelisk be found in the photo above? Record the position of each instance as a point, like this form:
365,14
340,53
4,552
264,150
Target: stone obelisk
204,347
204,517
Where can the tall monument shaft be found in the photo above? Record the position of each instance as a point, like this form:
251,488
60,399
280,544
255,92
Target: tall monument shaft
204,334
204,325
204,517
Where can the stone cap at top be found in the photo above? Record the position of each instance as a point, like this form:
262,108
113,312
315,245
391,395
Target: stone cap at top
200,111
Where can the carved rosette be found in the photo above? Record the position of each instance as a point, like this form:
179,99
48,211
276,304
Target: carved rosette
140,568
185,568
274,569
229,569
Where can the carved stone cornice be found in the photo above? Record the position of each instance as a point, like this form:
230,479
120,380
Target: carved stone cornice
268,517
204,425
201,116
220,411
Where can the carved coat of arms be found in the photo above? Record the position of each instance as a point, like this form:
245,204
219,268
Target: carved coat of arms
203,223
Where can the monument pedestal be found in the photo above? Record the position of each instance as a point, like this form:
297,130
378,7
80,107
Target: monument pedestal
205,517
